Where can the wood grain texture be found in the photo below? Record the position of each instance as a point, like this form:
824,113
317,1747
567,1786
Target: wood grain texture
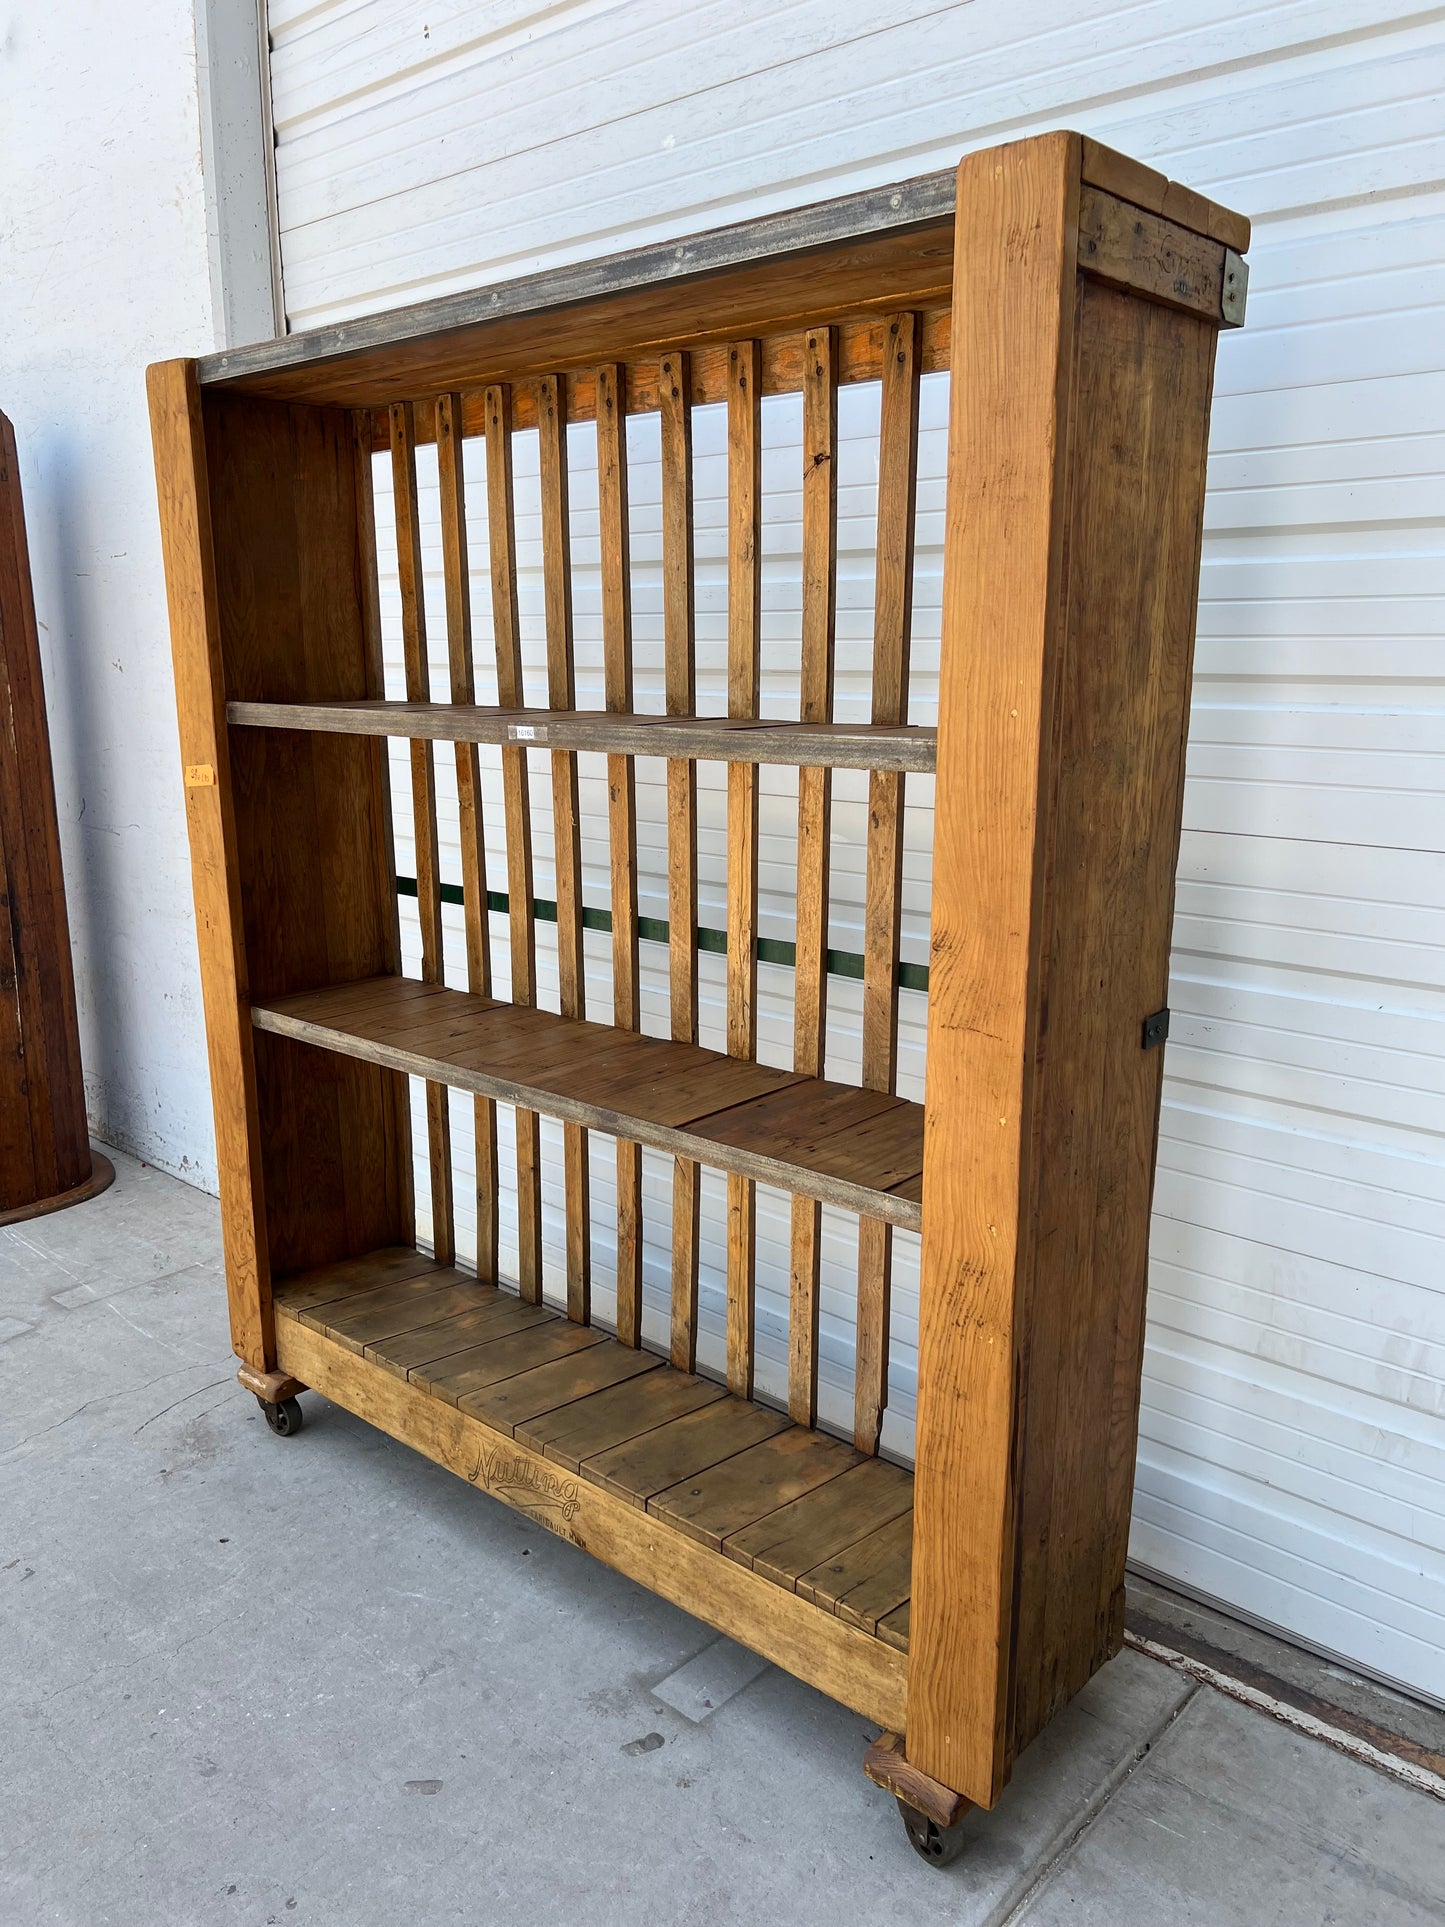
1129,596
606,1419
681,738
566,823
776,1497
883,874
560,1384
787,1542
883,249
507,636
272,1387
423,800
456,572
1131,180
745,438
44,1144
857,1149
324,1284
810,970
395,1096
860,1671
182,485
1012,350
620,309
659,1459
886,1766
868,1580
621,812
281,483
1150,256
680,692
711,1504
861,348
368,589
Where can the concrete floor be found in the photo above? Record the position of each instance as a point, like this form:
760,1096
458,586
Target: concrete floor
318,1680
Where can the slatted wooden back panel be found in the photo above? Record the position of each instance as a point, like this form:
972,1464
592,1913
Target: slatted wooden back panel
469,531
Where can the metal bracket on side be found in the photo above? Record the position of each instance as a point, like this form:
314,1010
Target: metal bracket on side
1156,1029
1235,291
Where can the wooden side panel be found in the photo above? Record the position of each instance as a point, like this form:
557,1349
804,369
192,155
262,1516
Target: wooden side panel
191,593
44,1148
289,622
1013,311
1142,384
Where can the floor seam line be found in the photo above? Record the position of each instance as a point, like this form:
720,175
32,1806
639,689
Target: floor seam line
1010,1907
1420,1779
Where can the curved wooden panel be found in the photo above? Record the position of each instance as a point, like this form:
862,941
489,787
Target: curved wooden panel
44,1148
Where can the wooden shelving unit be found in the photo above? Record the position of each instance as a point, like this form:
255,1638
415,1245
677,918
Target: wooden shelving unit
1074,297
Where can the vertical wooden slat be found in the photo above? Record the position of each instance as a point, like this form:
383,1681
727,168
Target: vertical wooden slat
567,838
424,806
501,535
810,977
892,625
680,679
469,798
369,588
744,402
621,814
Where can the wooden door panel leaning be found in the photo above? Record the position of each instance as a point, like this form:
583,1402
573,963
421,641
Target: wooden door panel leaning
46,1162
1074,299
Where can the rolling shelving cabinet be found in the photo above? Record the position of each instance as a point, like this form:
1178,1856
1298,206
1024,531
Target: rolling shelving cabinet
1074,297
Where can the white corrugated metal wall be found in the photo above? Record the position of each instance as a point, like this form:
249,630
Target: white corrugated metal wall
1292,1455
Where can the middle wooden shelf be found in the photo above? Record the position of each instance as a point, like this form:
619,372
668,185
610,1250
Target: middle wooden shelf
859,1149
725,739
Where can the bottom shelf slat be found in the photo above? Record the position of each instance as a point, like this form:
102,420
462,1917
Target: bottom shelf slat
794,1544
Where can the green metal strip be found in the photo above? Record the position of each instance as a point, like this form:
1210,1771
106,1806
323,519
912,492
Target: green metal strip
771,950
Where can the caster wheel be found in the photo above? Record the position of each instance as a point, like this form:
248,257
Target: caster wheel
939,1846
285,1419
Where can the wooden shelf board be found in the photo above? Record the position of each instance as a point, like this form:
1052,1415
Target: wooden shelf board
711,738
888,247
861,1150
799,1508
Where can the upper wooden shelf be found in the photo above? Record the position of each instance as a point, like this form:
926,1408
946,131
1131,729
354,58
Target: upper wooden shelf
725,739
859,1149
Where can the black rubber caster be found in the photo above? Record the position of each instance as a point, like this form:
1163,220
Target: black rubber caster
939,1846
285,1419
